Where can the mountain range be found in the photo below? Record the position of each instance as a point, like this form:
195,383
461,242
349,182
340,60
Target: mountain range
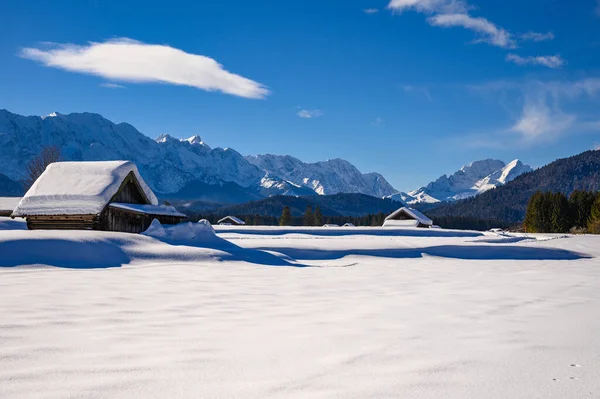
172,165
189,169
508,203
469,181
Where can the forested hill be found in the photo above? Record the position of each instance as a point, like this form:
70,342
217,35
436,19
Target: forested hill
508,203
330,205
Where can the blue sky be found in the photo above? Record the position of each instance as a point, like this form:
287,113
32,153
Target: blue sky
408,88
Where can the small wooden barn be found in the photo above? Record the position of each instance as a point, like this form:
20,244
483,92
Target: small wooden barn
407,217
8,205
109,196
231,221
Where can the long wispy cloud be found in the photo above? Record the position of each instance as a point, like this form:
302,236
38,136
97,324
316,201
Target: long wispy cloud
456,13
537,37
489,33
127,60
543,111
371,11
550,61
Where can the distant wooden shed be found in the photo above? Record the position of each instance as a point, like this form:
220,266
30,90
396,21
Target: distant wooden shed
109,196
231,221
407,217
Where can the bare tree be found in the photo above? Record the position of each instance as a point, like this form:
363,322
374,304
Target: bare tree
38,165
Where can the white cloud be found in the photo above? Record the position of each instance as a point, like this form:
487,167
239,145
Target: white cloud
108,85
453,13
489,32
132,61
456,13
596,147
543,111
550,61
538,122
309,114
537,37
430,6
370,11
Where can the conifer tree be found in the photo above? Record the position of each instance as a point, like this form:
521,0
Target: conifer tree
533,215
530,214
318,217
309,217
559,213
286,217
581,203
594,220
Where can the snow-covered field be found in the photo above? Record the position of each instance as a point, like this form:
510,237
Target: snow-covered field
298,313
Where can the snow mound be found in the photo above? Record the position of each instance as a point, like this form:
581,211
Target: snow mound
181,232
155,230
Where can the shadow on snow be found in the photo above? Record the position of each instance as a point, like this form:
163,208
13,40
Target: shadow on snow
349,231
470,252
89,252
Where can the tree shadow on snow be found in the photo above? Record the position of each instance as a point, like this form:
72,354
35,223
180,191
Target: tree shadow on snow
471,252
70,254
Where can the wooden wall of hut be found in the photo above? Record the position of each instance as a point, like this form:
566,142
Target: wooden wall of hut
115,219
63,222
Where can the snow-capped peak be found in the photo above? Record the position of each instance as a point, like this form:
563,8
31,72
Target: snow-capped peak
164,138
470,180
195,140
51,115
170,164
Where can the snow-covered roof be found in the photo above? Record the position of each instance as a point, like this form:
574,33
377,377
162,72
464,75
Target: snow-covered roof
78,188
401,223
9,203
231,219
412,213
164,210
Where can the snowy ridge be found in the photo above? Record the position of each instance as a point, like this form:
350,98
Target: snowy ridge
327,177
476,178
168,163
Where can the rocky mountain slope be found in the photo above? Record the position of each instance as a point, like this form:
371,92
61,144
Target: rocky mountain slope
507,203
469,181
170,165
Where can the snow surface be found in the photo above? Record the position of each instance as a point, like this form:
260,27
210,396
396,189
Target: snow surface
261,312
148,209
78,188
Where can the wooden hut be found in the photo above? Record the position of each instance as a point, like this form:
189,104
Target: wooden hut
109,196
8,205
231,221
407,217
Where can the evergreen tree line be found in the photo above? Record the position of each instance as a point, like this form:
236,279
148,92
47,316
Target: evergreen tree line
555,213
310,218
316,218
